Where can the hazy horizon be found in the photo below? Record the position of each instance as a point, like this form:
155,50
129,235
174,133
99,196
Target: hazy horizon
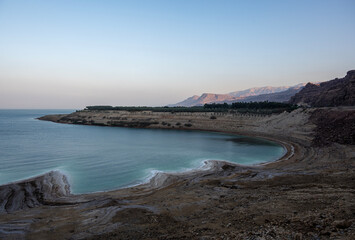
71,54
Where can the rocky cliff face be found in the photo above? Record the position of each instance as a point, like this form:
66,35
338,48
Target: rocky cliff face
337,92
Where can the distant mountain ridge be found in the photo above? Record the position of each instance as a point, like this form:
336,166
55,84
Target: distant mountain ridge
258,91
282,96
276,94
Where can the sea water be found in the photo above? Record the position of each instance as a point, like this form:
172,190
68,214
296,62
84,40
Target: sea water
104,158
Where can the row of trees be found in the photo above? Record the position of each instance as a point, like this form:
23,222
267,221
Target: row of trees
155,109
250,105
260,107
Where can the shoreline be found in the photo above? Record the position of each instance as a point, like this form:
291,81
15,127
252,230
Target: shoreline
204,166
214,164
289,151
306,194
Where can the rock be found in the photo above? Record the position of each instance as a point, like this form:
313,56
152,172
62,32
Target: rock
342,224
331,125
298,236
33,192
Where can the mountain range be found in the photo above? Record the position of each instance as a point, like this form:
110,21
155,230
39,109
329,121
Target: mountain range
274,94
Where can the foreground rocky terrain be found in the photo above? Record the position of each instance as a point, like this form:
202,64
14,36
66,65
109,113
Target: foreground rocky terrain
308,194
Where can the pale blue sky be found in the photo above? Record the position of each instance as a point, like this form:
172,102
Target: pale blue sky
69,54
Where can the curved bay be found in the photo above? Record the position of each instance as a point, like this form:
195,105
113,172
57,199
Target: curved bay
105,158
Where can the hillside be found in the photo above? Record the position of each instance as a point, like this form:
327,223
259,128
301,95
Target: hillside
337,92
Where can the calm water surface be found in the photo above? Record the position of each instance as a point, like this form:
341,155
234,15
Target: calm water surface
104,158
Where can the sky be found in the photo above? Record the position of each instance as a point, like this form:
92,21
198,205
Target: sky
71,54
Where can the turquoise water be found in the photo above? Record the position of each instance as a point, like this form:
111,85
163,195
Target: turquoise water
104,158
